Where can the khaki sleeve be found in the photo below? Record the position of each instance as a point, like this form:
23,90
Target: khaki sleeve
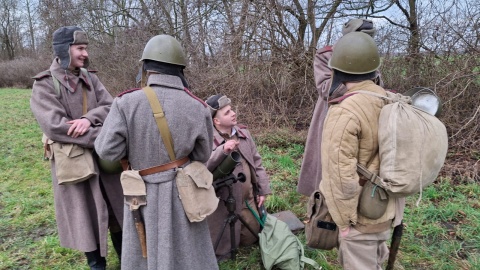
339,159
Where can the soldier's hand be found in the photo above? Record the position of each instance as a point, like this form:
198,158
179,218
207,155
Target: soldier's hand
79,127
260,200
230,146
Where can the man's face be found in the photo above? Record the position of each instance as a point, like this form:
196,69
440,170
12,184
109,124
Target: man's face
225,117
78,55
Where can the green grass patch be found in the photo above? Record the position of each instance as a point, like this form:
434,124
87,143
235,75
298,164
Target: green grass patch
441,233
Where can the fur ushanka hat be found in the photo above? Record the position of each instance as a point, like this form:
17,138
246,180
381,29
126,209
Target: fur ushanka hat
217,102
63,38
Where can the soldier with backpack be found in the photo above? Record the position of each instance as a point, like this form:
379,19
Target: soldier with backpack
350,137
70,104
311,170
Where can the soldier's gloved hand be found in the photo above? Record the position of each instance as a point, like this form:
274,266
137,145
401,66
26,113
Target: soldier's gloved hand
79,127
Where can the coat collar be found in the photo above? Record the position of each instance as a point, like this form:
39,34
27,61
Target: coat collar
169,81
240,132
66,77
367,85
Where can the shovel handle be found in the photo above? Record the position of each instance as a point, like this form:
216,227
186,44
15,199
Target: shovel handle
140,231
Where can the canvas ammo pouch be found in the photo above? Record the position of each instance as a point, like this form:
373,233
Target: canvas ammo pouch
321,231
373,201
194,184
134,189
73,163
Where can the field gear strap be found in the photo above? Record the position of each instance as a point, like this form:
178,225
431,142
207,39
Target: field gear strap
164,167
261,221
372,177
84,105
161,121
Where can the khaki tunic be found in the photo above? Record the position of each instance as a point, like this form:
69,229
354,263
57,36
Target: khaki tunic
81,210
256,177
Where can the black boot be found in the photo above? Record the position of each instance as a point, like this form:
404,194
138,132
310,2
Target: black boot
117,243
95,261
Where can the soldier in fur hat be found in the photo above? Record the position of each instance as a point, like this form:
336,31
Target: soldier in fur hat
229,137
70,104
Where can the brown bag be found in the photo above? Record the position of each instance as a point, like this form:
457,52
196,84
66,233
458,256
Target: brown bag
73,163
194,184
321,231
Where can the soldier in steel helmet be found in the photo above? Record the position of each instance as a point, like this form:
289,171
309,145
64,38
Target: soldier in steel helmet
70,104
229,136
350,138
130,131
311,169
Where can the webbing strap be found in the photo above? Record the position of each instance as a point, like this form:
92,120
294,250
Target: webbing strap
56,85
372,177
85,106
161,121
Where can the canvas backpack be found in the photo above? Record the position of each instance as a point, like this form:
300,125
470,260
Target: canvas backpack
413,146
280,248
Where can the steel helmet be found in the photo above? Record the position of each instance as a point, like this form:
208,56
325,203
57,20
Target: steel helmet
111,167
166,49
425,99
355,53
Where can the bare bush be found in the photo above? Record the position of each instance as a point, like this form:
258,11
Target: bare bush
18,73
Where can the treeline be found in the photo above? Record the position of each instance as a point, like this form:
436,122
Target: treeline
261,52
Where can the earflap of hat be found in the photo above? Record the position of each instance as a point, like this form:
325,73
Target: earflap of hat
141,78
335,82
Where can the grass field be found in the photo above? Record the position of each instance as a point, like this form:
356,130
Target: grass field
443,232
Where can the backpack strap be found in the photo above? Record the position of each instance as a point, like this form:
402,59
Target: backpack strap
56,86
161,121
86,74
372,177
304,259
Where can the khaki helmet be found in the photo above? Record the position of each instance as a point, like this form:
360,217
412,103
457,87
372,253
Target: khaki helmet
355,53
111,167
166,49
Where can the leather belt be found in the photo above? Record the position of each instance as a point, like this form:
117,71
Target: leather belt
164,167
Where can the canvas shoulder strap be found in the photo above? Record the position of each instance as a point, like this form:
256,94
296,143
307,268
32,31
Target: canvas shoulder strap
161,121
306,260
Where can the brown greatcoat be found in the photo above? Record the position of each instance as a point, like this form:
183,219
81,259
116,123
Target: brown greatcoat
256,177
81,210
311,170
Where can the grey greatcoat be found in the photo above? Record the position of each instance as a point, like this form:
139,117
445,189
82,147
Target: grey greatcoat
130,131
81,210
